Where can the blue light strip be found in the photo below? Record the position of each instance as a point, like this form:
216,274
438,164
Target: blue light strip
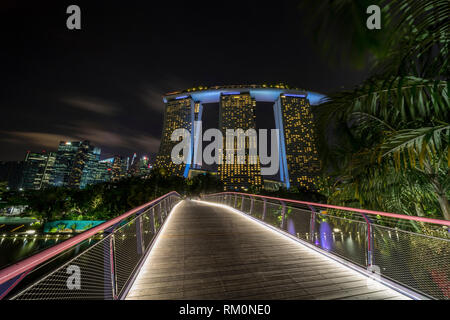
230,93
260,94
182,97
284,173
190,154
191,147
294,95
198,133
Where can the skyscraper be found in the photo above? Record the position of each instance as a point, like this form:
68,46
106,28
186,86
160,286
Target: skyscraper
299,160
178,114
65,157
237,111
144,166
125,163
79,163
91,168
119,168
104,170
72,163
38,169
299,164
49,170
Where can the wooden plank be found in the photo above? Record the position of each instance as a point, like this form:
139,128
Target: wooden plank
207,252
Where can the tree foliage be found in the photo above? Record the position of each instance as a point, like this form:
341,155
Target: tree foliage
385,144
107,200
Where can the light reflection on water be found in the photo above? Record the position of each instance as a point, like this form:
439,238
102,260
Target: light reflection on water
291,227
332,236
13,249
326,238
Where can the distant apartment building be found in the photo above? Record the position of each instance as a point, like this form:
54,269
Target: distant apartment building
117,168
38,170
80,162
76,164
144,166
91,168
65,158
104,171
125,161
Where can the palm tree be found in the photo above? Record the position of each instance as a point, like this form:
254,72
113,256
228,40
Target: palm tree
393,129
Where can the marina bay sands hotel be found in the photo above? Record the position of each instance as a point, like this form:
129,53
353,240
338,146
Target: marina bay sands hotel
298,158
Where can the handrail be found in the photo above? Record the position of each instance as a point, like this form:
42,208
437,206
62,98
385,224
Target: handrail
20,267
415,261
371,212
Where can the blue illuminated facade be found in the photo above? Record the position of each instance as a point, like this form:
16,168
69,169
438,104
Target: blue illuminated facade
288,103
260,94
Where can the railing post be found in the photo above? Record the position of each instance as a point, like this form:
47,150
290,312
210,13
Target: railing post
161,220
283,214
251,205
235,201
242,204
112,261
152,221
370,259
264,210
110,281
164,203
312,224
139,238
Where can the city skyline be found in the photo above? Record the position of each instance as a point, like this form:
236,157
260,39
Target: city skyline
105,156
75,165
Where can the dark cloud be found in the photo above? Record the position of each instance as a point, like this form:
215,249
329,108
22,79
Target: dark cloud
152,98
35,140
152,94
92,105
105,82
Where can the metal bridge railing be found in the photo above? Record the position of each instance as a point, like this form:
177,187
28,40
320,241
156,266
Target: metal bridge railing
97,264
411,251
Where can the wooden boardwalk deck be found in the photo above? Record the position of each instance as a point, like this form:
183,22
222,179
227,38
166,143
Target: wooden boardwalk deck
208,252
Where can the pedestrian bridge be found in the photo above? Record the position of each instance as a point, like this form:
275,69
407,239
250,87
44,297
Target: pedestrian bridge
240,246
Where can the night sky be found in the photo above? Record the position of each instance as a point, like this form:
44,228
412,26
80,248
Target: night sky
104,83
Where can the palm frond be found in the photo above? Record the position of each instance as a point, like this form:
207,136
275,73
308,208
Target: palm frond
418,29
420,143
395,101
